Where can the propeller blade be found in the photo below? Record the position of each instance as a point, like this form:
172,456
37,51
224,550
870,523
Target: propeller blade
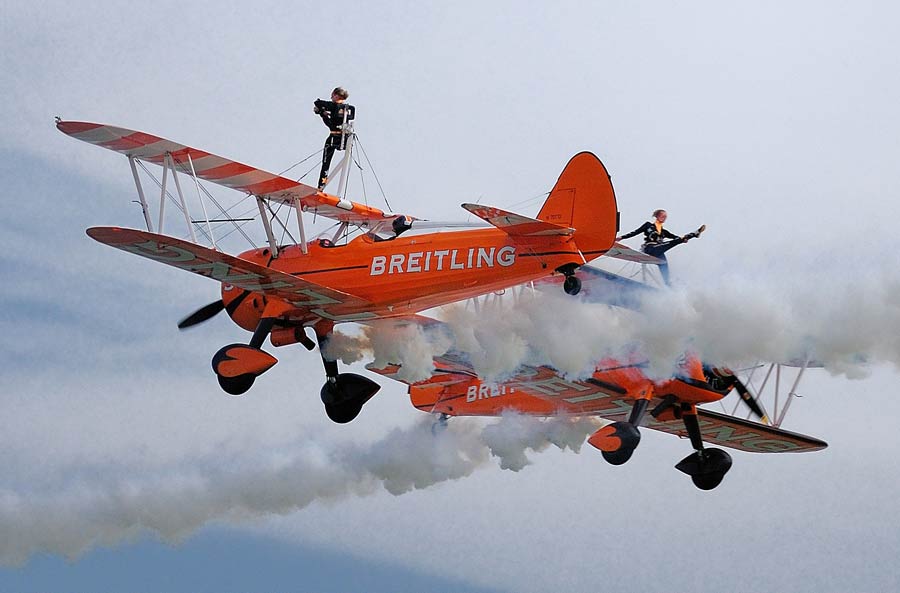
751,401
202,314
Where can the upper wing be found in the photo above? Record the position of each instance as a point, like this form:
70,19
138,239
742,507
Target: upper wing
516,224
313,300
222,171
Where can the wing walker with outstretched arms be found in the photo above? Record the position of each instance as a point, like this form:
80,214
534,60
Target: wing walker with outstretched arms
395,269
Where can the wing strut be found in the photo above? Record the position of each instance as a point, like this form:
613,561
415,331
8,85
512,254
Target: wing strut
140,190
268,225
202,203
299,208
187,217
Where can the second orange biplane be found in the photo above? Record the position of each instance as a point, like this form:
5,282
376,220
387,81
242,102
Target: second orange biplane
394,270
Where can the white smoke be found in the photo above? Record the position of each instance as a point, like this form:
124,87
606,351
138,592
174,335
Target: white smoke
846,321
392,342
83,509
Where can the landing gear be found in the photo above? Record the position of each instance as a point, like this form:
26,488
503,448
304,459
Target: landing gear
617,441
238,365
572,284
344,394
236,385
706,467
440,424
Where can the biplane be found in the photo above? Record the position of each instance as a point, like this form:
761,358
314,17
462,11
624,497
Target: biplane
397,266
619,390
283,290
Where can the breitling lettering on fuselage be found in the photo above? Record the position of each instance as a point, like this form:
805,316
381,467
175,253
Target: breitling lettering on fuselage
443,259
225,273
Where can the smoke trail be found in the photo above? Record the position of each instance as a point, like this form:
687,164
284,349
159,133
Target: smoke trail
846,321
84,509
388,342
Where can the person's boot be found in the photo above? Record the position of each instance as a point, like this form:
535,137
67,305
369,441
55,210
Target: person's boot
695,234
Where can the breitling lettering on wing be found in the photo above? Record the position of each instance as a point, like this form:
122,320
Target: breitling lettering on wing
443,259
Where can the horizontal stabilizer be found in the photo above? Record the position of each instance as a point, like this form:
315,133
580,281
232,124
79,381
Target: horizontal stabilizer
620,251
516,224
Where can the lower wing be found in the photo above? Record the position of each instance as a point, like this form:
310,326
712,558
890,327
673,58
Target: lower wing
310,298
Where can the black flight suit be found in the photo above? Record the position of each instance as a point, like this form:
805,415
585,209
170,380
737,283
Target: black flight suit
656,245
332,115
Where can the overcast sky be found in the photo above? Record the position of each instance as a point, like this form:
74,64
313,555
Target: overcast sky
773,123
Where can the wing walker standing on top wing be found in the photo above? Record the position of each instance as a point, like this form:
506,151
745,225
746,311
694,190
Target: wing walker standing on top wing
281,290
395,269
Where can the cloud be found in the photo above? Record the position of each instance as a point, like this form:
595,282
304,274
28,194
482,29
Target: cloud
85,508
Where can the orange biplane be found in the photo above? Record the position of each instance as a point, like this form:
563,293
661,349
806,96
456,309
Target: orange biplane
281,290
618,390
395,269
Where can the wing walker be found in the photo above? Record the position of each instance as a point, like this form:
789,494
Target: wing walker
378,265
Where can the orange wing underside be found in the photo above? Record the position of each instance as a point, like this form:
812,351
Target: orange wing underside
309,299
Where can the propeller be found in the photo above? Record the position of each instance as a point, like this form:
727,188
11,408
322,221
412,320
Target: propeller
750,400
202,314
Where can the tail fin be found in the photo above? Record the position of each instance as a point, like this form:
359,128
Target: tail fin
583,198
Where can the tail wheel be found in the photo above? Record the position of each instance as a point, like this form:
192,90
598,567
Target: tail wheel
572,285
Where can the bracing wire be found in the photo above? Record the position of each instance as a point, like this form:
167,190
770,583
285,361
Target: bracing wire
278,220
224,211
302,177
238,226
529,201
362,179
300,162
172,199
375,175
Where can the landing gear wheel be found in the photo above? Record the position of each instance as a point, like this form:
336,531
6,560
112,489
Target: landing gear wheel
706,468
247,360
572,285
617,457
236,385
708,481
345,396
344,412
440,424
616,441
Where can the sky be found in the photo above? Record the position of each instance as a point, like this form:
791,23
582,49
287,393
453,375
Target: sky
773,123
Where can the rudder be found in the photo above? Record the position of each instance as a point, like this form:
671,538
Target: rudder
583,198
